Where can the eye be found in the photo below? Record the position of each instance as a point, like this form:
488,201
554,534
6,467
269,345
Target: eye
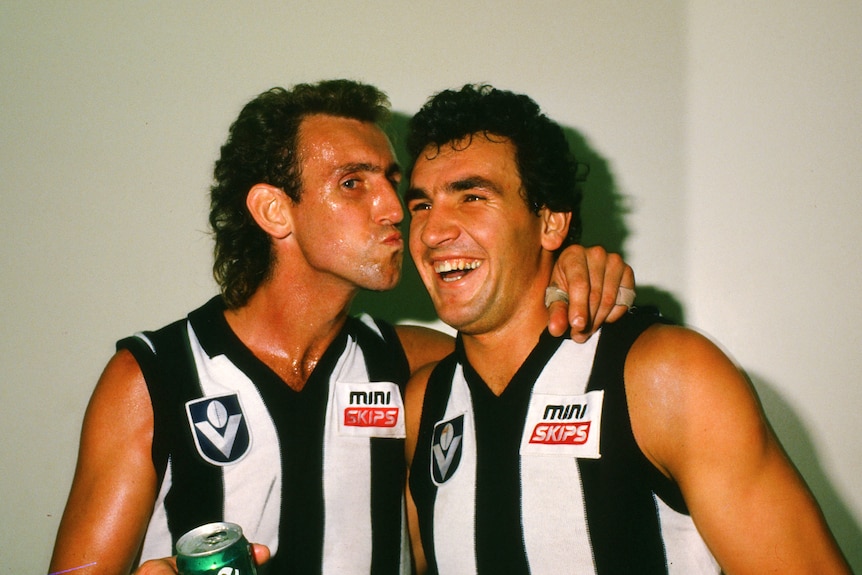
472,198
418,205
351,184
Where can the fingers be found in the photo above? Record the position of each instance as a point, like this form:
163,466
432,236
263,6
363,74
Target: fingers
558,318
603,297
260,552
592,278
571,274
166,566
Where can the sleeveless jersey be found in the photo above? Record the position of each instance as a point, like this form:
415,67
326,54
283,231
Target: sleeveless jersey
316,475
547,477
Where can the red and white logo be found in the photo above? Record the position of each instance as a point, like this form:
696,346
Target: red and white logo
370,409
577,433
371,416
568,425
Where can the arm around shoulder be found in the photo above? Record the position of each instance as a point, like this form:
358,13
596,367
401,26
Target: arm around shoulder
423,345
698,419
114,486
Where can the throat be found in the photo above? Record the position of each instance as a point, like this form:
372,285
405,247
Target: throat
293,372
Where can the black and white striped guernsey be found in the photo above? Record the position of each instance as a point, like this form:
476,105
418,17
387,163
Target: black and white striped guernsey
316,475
547,477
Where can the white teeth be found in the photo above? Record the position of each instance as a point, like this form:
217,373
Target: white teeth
456,265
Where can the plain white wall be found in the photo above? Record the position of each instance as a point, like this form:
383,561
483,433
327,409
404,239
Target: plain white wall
733,133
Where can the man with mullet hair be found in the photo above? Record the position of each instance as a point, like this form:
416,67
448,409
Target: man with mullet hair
245,411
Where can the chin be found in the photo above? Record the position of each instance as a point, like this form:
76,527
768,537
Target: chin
384,282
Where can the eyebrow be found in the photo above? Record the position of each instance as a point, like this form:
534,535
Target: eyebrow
460,185
390,171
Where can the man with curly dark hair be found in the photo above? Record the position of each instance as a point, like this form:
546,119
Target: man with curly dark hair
642,451
271,406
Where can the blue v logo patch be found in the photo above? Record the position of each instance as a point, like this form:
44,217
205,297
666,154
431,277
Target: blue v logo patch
446,444
219,428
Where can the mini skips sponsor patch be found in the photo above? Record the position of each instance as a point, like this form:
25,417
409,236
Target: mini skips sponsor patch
370,409
447,443
567,425
219,428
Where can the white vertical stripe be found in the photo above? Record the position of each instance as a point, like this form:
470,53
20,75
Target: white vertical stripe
551,484
551,490
455,506
685,550
158,540
346,481
258,476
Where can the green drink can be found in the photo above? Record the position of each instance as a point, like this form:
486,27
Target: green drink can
215,549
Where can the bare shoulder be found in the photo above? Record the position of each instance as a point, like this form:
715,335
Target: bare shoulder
682,389
674,362
121,386
423,345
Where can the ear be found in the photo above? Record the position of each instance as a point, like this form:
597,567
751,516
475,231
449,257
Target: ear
555,227
269,206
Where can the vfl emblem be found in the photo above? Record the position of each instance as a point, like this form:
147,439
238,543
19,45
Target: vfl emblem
219,428
446,444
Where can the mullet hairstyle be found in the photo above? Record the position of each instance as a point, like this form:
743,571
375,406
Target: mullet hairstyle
546,165
262,148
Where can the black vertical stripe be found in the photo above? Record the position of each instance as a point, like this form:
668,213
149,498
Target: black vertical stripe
421,487
196,495
385,361
622,517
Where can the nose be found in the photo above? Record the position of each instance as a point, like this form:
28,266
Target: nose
438,225
387,206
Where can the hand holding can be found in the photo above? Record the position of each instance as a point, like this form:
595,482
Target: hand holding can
215,549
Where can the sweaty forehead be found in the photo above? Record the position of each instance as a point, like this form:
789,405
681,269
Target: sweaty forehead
335,140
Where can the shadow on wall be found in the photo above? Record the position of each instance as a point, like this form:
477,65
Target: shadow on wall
796,440
603,212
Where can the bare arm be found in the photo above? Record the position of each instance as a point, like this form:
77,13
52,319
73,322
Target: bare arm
114,487
423,345
698,419
591,276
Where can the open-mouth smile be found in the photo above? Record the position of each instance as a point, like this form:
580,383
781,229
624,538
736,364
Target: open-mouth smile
453,270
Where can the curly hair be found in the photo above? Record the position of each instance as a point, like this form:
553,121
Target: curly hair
262,148
548,169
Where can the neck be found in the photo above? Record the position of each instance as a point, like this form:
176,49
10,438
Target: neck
288,325
497,354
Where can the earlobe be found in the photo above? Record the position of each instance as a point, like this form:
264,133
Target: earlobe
555,227
268,206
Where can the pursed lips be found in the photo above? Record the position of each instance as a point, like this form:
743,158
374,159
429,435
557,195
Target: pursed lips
394,238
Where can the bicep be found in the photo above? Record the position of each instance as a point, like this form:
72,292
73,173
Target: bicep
114,486
699,419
